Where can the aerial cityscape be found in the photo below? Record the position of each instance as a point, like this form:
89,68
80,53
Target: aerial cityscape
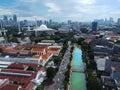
59,45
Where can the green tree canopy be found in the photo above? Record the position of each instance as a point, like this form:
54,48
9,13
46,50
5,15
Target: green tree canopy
50,72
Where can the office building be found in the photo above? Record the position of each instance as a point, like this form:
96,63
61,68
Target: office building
15,20
94,26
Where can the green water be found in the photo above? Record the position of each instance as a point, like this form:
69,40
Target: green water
77,79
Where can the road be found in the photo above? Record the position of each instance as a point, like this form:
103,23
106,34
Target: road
59,78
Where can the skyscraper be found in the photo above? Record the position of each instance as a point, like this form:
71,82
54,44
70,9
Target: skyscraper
15,20
1,24
69,22
111,19
5,20
118,21
25,23
94,26
10,22
50,21
39,22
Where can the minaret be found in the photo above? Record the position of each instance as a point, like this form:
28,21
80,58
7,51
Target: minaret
0,28
4,33
19,28
0,33
36,22
28,28
36,27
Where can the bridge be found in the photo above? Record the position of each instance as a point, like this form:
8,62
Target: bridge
81,70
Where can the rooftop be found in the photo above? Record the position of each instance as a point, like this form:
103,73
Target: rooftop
43,28
10,87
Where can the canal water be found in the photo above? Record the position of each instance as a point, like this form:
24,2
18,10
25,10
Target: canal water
78,81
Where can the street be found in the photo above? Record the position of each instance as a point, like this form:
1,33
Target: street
59,78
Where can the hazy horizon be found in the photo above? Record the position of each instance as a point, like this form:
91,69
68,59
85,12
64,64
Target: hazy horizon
61,10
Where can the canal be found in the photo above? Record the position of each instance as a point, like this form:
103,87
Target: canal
78,81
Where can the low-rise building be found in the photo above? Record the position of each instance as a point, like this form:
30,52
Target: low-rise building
39,53
65,29
100,62
21,77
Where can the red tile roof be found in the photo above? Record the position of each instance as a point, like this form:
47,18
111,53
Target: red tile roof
88,40
45,57
32,65
25,80
17,66
36,56
10,87
34,45
53,50
37,49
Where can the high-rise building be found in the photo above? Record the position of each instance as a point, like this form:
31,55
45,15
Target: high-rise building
15,20
69,22
1,24
46,22
118,21
50,21
111,19
39,22
94,26
5,21
10,22
5,18
25,23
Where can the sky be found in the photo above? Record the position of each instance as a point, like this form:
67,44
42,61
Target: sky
61,10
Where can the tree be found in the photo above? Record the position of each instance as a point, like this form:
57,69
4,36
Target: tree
91,55
80,41
31,68
93,83
32,38
85,46
57,60
1,50
18,83
50,72
84,30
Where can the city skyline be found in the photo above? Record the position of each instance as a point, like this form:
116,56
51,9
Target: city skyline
84,10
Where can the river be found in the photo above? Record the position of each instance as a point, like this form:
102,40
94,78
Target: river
78,81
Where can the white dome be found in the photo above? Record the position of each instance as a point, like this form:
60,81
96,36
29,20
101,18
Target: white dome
43,27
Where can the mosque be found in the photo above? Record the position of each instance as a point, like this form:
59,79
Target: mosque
40,30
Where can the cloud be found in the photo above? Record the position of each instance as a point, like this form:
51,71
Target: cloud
4,11
29,1
92,9
23,7
52,7
89,12
79,10
85,2
31,18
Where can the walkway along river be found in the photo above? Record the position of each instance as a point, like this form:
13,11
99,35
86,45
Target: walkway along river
78,81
